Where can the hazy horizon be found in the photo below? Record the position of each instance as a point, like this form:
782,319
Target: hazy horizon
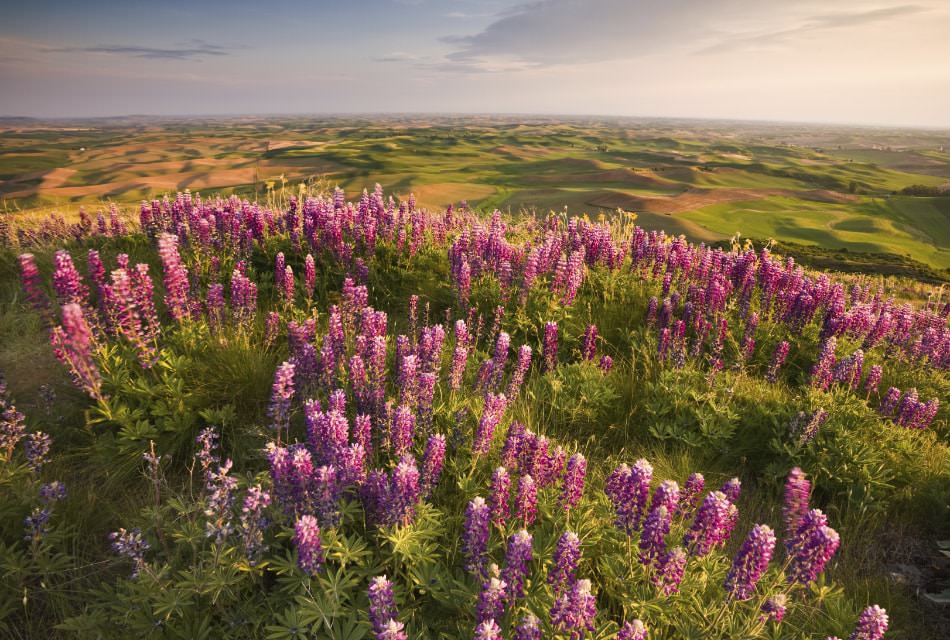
476,114
874,63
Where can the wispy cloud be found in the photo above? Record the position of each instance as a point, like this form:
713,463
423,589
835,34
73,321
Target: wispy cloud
462,15
396,56
814,24
567,32
195,51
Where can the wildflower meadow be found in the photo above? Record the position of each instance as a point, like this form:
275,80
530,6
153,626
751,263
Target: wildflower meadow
345,419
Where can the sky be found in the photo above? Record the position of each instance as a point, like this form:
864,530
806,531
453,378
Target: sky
840,61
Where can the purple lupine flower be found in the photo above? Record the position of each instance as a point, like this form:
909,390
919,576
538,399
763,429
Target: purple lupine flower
873,379
514,442
499,358
408,377
774,608
243,297
566,556
731,489
521,370
66,280
574,477
810,429
483,378
653,536
750,562
889,402
73,345
207,440
589,349
220,499
308,543
37,448
629,488
529,628
253,522
131,545
708,528
382,603
309,275
405,490
692,491
176,277
36,523
433,460
517,559
606,364
52,492
30,281
492,413
459,359
392,631
12,427
499,497
814,545
403,429
526,502
671,569
491,600
635,630
797,492
475,535
574,611
821,371
488,630
281,397
286,284
871,625
215,306
667,495
95,268
778,359
363,432
279,263
550,346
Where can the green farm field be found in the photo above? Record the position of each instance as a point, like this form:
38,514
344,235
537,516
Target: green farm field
834,188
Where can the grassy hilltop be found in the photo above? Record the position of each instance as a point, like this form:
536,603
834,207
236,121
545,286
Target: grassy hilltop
261,417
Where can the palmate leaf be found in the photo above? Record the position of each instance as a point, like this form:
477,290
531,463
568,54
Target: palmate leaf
318,609
172,603
290,626
346,549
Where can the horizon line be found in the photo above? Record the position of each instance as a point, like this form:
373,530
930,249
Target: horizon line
551,115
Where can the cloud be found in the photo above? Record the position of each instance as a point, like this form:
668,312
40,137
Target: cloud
396,56
462,15
817,23
195,51
565,32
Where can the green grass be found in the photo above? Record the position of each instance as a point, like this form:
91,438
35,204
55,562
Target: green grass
872,226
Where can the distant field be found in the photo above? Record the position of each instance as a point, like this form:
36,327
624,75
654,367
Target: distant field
823,186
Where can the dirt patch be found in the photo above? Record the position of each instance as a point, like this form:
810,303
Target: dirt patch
686,201
826,195
168,182
56,178
277,145
445,193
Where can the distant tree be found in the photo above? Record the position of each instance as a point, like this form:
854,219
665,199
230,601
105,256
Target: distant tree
923,190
